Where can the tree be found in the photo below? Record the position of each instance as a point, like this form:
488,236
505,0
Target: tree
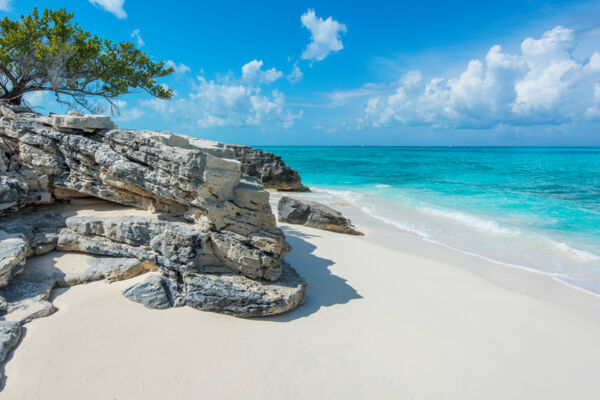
53,54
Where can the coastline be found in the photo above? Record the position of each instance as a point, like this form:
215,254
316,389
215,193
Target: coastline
521,279
387,315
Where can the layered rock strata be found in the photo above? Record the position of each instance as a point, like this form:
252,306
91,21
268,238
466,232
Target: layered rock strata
207,217
315,215
269,168
187,212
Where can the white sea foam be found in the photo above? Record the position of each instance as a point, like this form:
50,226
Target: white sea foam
580,255
353,198
486,225
382,186
458,230
397,224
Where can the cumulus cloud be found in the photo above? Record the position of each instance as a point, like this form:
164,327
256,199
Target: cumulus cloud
544,84
115,7
593,112
594,64
325,36
223,104
253,72
138,38
5,5
296,75
179,69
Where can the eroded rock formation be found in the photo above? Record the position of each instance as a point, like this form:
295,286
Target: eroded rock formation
206,218
315,215
269,168
185,209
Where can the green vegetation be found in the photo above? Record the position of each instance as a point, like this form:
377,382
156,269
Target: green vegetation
53,54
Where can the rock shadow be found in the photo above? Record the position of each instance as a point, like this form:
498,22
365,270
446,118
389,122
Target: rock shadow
324,288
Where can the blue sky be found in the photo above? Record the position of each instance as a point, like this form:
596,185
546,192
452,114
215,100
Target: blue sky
360,73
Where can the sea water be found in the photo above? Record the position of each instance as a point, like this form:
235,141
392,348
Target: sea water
537,208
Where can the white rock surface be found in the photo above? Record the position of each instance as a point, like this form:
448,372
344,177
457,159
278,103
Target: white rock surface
84,122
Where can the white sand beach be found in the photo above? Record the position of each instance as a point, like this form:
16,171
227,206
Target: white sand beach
387,316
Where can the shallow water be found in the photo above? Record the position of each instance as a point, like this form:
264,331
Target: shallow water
534,207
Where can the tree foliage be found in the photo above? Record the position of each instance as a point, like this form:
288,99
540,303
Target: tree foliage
51,53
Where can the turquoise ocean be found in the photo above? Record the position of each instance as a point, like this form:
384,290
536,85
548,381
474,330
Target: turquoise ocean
534,207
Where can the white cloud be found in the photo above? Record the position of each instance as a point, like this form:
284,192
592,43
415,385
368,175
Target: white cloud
115,7
136,35
179,68
127,114
593,112
253,72
594,64
38,99
296,75
215,104
325,36
552,70
5,5
341,97
544,84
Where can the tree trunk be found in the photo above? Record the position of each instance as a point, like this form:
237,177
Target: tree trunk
16,101
14,97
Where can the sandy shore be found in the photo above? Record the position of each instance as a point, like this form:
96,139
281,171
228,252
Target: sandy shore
387,316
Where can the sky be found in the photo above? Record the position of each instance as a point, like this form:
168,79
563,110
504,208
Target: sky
421,73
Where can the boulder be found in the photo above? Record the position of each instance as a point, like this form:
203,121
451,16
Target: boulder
315,215
84,122
225,293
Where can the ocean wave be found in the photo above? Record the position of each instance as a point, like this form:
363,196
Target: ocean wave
486,225
489,226
349,196
580,255
397,224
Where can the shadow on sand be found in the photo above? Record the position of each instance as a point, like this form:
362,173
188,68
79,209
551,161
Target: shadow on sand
324,288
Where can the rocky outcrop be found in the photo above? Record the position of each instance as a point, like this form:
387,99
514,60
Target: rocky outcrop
28,234
205,220
269,168
225,293
315,215
187,212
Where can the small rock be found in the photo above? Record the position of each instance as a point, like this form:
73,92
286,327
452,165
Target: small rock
10,333
27,298
315,215
155,292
